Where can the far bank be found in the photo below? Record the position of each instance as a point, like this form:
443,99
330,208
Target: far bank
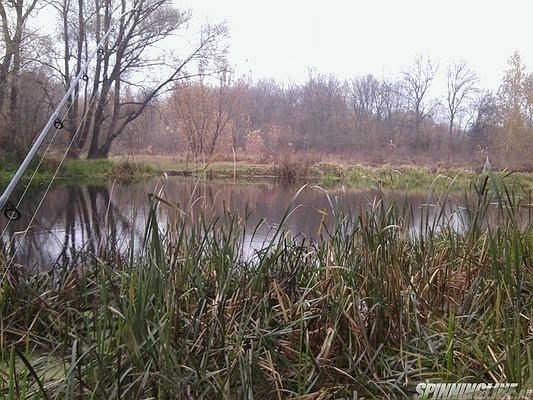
286,170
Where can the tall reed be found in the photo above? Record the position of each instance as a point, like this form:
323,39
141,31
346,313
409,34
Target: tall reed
371,306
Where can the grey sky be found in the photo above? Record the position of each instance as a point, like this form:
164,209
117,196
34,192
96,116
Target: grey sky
283,39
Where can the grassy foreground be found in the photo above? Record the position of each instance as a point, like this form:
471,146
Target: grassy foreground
372,307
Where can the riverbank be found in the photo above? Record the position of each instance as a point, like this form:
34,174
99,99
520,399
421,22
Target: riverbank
79,171
369,309
329,174
325,174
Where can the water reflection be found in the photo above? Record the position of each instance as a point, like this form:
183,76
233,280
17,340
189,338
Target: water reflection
88,218
70,219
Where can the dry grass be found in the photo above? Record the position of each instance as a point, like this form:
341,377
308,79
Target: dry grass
371,307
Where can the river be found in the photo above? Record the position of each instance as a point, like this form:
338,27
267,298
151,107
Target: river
94,218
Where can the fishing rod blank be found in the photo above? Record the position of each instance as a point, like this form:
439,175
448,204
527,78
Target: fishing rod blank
10,211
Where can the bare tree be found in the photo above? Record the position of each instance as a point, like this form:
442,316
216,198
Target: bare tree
267,102
189,109
376,108
14,18
323,110
223,111
391,100
417,81
133,58
461,83
14,15
240,115
206,114
483,118
363,97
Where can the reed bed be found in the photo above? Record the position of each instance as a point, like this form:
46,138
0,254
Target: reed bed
367,310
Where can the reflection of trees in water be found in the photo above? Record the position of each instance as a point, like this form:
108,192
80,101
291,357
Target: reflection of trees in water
73,222
76,222
91,223
29,243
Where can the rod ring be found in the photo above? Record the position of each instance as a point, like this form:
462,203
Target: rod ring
11,213
58,124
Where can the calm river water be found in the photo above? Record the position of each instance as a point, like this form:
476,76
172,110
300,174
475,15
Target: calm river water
74,217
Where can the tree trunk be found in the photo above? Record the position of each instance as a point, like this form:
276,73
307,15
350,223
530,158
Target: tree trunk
99,153
111,102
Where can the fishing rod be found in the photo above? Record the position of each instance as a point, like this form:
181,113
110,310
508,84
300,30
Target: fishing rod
9,210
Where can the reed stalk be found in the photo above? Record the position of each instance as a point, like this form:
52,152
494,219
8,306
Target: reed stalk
371,306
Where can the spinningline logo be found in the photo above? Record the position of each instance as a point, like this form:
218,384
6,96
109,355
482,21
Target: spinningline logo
464,391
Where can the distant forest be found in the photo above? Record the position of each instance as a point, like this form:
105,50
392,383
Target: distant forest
364,118
191,104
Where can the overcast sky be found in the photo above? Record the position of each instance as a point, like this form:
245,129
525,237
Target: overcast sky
283,39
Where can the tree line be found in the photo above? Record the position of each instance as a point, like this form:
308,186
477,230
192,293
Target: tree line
132,68
140,97
364,116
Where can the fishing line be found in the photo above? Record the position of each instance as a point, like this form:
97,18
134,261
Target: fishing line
54,120
28,185
32,177
10,211
47,190
58,124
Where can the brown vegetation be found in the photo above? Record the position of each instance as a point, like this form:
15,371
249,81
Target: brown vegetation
192,105
364,120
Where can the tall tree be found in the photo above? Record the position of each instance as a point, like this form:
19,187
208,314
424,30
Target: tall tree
483,118
238,107
192,104
460,81
363,96
133,58
207,114
416,82
323,110
528,88
14,15
512,108
267,102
